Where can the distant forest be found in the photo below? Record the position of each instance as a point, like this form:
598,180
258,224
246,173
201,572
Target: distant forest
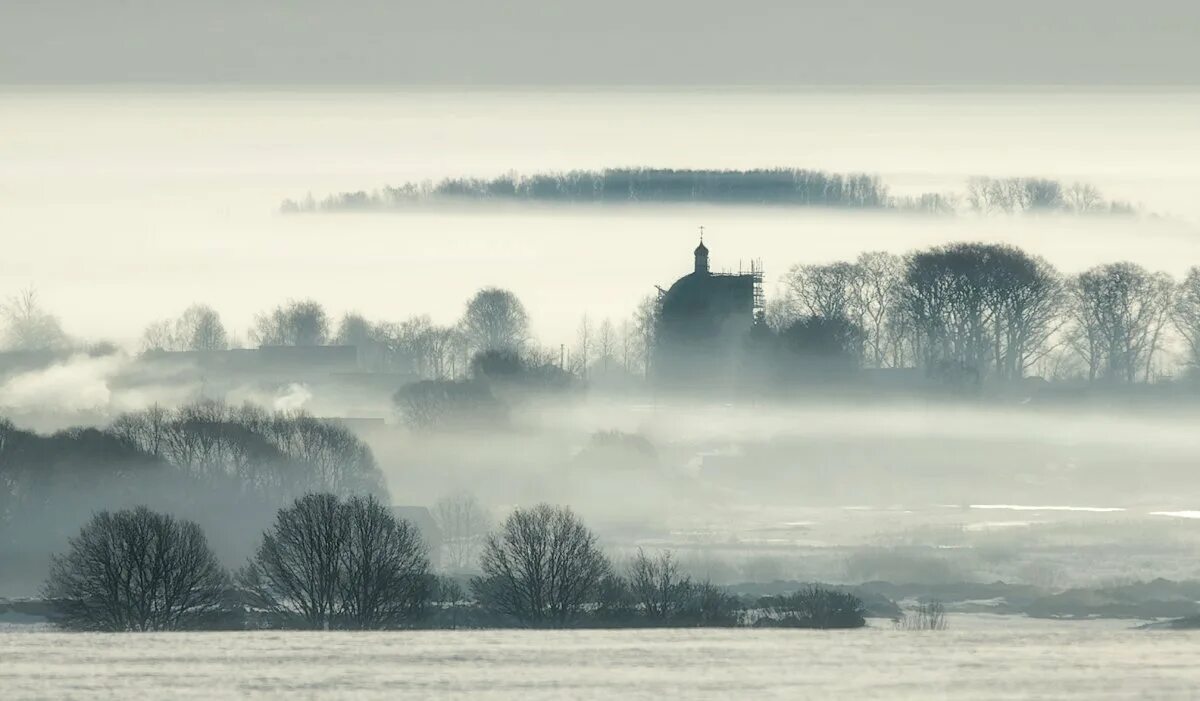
792,187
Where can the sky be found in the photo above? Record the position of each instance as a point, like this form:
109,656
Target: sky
594,42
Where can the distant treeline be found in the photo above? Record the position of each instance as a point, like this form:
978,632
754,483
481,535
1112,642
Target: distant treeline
229,468
793,187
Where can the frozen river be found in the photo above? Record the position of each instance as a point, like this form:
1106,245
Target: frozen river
979,657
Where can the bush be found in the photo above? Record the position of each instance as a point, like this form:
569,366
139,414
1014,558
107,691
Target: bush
136,570
927,616
814,607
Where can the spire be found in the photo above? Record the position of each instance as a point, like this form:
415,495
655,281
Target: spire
701,255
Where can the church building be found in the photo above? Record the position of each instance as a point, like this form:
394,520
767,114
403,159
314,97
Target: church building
704,325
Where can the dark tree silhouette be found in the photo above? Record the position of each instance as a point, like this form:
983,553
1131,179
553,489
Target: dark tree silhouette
815,607
541,567
351,564
136,570
1186,314
1119,311
385,579
661,592
297,568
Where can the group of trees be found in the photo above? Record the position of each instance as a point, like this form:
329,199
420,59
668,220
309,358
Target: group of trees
989,311
229,468
1016,195
792,186
778,186
329,562
198,328
494,320
326,562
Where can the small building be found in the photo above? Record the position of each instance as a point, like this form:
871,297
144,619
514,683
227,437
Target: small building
704,324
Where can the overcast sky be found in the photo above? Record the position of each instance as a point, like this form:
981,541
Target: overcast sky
568,42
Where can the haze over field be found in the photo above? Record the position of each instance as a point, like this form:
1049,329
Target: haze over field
871,329
178,191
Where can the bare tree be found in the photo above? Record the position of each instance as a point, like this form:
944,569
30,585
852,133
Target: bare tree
385,580
355,330
341,564
298,567
1119,311
645,324
1026,296
28,326
1186,314
464,524
581,359
298,323
876,291
659,589
606,343
930,615
1082,198
342,463
200,328
829,290
159,336
495,320
541,568
136,570
945,295
277,455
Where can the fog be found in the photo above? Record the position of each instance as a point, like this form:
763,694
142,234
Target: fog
110,194
124,207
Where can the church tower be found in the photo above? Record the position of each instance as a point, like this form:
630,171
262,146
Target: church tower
701,258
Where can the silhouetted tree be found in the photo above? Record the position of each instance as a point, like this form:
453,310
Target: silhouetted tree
541,568
817,346
1119,311
297,568
331,563
1025,296
661,592
1186,314
298,323
495,320
385,580
136,570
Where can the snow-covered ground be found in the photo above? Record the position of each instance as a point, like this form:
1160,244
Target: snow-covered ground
978,657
